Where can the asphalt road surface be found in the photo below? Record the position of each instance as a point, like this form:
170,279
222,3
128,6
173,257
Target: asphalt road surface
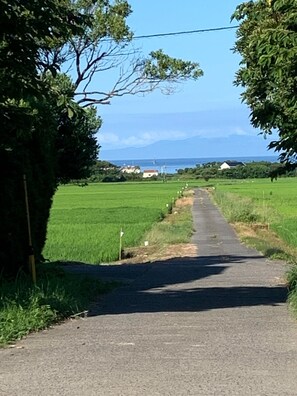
216,324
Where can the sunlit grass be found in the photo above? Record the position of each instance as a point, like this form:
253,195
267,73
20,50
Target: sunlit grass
273,205
85,223
174,229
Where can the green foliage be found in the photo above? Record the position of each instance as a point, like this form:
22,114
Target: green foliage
75,144
28,30
292,277
105,171
292,286
105,45
267,42
28,150
41,126
25,308
162,67
45,133
110,20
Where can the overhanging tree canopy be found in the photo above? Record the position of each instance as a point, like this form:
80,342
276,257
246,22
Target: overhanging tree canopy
35,132
267,42
106,47
46,132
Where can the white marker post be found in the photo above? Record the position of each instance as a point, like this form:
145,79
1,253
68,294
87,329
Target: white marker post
120,249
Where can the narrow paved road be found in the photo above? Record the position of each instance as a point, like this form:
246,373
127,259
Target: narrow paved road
212,325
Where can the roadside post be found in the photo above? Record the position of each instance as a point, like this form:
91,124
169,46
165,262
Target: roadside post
120,248
31,257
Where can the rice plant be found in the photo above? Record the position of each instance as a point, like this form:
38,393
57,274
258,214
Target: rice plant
85,223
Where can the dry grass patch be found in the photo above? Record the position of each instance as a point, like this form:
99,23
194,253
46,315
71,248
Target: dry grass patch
185,201
265,240
180,250
251,230
150,254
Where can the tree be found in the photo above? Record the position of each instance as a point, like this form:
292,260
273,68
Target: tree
267,42
39,122
48,119
106,47
28,29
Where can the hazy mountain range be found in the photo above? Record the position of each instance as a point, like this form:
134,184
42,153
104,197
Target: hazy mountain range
195,147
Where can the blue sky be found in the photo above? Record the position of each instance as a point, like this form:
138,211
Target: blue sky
209,107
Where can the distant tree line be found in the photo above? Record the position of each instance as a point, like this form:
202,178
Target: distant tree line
252,170
107,172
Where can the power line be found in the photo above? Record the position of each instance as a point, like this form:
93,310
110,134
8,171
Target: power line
185,32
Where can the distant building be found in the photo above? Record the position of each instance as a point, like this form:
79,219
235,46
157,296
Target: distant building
130,169
230,164
150,173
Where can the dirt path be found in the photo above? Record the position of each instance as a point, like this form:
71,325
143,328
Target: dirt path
215,324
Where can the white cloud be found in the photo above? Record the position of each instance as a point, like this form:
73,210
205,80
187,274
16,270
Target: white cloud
108,138
114,140
240,131
144,129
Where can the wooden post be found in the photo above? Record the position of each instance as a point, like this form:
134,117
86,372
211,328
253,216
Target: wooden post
31,257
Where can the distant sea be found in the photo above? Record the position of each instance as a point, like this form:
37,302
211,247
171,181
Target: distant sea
171,165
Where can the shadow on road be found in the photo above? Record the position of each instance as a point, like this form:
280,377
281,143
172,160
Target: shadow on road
169,286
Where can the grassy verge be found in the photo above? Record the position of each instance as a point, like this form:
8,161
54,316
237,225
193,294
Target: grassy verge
169,238
177,227
25,307
257,227
292,286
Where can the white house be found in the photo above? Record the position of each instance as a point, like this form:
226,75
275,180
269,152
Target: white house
130,169
230,165
150,173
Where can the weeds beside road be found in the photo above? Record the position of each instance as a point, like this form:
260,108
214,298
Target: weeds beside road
59,295
264,215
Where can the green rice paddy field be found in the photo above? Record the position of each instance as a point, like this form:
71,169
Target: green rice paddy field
276,201
86,222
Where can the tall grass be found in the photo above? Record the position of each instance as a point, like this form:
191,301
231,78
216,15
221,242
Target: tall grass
236,209
176,228
273,204
25,307
292,286
287,230
85,223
